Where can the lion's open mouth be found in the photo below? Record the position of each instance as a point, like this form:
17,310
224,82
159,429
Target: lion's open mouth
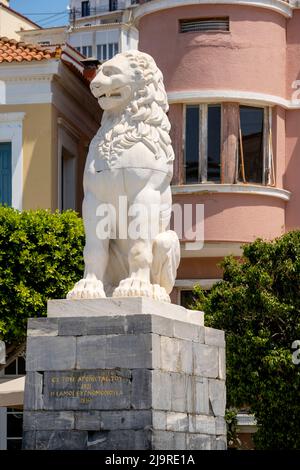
111,95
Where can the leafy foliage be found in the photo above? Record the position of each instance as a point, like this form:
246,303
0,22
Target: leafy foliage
40,259
231,422
258,306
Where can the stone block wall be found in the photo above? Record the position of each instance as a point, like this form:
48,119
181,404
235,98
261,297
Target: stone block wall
124,382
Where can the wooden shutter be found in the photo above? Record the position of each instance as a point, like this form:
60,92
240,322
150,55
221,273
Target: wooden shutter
177,128
5,174
229,142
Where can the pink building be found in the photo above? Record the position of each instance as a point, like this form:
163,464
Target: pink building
232,73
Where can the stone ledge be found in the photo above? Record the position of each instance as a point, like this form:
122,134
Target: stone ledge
116,325
122,306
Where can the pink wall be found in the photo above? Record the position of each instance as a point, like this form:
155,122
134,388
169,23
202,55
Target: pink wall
292,124
278,130
238,217
293,52
251,57
292,174
203,268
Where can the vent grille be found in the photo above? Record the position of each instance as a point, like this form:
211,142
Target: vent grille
204,25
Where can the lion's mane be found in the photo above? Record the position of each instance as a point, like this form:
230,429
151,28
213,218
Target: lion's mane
144,119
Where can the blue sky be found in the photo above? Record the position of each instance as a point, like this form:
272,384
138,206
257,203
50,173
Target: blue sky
46,13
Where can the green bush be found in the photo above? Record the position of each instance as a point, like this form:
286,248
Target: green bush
258,306
40,259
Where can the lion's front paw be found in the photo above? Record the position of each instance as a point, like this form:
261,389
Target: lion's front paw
131,287
87,289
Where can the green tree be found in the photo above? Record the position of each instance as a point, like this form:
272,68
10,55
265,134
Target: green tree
40,259
258,306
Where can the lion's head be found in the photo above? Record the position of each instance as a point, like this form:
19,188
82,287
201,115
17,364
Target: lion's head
131,92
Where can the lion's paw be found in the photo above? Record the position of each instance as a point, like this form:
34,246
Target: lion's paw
131,287
87,289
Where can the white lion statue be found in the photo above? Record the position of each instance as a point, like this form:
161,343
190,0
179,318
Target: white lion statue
130,158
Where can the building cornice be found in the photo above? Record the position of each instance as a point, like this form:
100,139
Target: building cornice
62,88
282,7
187,284
50,82
67,126
212,249
252,189
218,96
29,70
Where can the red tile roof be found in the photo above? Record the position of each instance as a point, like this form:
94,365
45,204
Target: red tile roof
14,51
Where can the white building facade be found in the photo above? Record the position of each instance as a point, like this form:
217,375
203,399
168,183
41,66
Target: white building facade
97,28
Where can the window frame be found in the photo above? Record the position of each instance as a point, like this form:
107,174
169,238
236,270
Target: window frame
8,200
17,374
4,411
113,46
85,8
113,5
189,285
10,412
4,438
268,171
11,130
268,177
203,141
88,49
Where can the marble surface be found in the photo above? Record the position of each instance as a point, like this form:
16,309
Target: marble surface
129,249
125,306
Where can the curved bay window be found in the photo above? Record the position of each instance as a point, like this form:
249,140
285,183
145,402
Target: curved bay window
228,143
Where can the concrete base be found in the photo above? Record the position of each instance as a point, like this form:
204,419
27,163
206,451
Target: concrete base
124,374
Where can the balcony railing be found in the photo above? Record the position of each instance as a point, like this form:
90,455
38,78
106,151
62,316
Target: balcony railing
86,10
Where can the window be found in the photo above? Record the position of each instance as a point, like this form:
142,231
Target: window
214,143
87,51
192,144
251,144
228,143
102,52
85,8
17,367
113,49
11,424
204,25
5,173
14,430
202,143
107,51
113,5
11,158
187,298
68,180
11,419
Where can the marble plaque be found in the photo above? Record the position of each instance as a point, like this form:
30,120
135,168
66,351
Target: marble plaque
87,389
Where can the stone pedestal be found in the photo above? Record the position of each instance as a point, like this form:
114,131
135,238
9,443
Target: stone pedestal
120,374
